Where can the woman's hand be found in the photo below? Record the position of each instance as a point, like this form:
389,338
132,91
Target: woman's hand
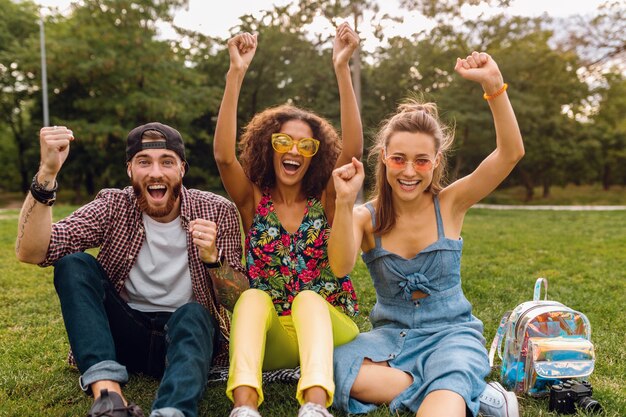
242,48
346,42
481,68
348,180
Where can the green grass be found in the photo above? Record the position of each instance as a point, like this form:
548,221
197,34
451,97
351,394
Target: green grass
568,195
582,254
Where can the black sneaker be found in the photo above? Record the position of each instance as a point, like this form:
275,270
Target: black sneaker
111,404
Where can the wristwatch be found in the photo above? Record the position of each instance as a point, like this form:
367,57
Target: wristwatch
218,263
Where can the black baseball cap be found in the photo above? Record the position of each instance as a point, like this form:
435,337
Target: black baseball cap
173,140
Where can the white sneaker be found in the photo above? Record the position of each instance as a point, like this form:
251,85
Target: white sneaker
313,410
244,411
495,401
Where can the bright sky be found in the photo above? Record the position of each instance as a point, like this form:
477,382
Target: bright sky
216,20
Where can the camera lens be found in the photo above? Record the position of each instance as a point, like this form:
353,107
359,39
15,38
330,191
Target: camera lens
590,405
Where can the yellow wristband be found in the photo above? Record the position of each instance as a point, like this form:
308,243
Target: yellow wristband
497,93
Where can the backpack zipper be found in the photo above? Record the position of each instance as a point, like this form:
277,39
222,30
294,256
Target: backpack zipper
525,313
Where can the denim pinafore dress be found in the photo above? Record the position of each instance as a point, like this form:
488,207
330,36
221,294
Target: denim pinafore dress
435,339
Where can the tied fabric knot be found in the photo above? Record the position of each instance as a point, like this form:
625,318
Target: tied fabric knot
413,282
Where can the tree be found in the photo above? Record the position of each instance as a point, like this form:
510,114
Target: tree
547,93
610,129
108,73
18,84
442,10
287,68
601,39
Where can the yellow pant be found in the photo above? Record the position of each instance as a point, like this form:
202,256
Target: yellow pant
306,337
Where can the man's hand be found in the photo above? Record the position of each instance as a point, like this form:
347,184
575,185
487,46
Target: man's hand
54,143
228,284
204,233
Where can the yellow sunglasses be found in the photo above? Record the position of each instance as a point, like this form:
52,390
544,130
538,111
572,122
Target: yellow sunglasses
283,143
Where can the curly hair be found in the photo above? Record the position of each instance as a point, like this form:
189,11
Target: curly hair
256,152
413,117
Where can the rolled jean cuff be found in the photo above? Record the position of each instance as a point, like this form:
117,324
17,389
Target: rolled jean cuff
103,371
167,412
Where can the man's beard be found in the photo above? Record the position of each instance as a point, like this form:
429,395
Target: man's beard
145,207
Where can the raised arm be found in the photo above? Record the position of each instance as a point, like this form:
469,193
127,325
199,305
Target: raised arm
241,49
35,223
481,68
346,42
347,231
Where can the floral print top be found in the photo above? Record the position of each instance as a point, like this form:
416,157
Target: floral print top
283,264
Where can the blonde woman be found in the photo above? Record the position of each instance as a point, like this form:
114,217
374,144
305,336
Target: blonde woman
426,351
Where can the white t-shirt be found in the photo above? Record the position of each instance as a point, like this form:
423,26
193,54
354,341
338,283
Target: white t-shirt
160,279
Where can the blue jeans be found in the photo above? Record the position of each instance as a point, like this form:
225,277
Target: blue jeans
107,337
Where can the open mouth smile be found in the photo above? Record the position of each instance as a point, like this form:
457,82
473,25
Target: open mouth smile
157,191
290,166
408,185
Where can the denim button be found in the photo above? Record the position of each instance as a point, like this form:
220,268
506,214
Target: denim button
392,355
402,333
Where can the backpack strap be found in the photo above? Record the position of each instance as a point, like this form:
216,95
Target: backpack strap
498,338
537,292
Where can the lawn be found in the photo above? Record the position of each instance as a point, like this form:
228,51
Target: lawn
590,194
582,254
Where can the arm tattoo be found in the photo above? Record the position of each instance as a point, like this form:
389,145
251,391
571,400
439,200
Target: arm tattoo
228,285
22,226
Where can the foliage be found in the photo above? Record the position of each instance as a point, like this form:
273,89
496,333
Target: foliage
437,8
610,131
109,70
599,39
18,28
120,76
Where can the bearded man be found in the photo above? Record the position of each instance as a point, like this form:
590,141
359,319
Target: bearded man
169,265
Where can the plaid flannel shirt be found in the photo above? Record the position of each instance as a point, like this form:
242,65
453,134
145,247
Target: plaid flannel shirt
113,223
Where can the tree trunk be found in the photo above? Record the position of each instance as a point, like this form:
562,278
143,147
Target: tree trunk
90,184
21,163
606,177
528,185
546,189
459,156
17,127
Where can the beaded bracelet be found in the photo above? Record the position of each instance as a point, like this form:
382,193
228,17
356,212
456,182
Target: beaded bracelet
497,93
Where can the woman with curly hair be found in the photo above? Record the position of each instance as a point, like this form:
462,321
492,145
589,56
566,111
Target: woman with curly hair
426,352
296,310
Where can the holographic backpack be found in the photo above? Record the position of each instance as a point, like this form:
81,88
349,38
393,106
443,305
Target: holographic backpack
541,343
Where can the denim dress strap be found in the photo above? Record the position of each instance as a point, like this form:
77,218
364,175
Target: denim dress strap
440,231
377,239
